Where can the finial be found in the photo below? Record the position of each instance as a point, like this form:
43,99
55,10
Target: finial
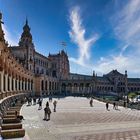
26,21
125,72
93,73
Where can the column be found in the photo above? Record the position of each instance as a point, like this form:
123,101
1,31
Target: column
1,83
14,89
6,82
10,84
24,85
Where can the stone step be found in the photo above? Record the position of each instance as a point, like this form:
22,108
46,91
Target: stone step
10,120
11,112
16,107
13,133
9,116
11,126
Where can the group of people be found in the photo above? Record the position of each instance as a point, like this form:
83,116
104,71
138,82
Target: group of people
115,105
47,110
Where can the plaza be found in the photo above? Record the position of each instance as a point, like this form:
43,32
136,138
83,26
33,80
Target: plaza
68,53
74,119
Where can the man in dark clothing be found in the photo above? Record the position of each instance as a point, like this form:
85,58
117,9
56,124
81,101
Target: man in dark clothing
107,106
114,105
91,102
47,112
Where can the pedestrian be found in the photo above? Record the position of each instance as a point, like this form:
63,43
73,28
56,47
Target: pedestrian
34,100
19,117
124,104
47,104
114,105
54,104
107,106
47,112
40,104
91,102
30,100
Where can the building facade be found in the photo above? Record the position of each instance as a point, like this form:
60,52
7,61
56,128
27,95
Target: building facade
23,69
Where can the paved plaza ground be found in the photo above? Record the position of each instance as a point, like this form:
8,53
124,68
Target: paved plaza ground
76,120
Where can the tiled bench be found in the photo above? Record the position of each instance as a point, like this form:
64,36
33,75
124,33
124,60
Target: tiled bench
13,133
11,126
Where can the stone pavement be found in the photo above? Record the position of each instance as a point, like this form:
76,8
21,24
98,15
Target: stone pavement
76,120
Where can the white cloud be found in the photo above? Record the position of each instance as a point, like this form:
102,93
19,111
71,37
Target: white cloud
12,40
126,25
77,35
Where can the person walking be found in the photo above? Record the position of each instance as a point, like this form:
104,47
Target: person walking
107,106
34,100
47,112
114,105
40,104
54,104
91,102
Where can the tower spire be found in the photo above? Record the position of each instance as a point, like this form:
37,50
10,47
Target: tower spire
1,31
26,21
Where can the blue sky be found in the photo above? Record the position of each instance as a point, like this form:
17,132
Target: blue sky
101,35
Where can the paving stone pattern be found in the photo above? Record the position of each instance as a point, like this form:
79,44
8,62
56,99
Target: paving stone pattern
76,120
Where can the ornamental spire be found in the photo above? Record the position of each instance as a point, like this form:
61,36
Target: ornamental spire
1,31
26,21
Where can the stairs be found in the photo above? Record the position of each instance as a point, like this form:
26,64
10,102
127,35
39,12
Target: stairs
12,127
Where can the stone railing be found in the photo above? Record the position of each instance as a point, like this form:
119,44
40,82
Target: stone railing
10,100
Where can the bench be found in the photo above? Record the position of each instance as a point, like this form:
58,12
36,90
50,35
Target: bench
13,133
11,120
11,126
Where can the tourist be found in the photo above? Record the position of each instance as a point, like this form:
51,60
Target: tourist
50,99
54,104
91,102
124,104
19,117
30,100
47,112
107,106
40,103
34,100
114,105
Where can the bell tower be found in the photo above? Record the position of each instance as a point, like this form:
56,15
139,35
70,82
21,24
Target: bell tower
1,31
27,43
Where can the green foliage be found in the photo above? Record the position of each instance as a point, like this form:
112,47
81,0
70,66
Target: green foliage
132,95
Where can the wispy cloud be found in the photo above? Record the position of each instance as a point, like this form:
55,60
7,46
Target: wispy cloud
77,34
126,26
126,23
12,40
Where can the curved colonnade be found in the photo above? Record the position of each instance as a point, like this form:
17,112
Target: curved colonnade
14,79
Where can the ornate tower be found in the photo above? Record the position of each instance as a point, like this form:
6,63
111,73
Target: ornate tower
27,43
1,31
